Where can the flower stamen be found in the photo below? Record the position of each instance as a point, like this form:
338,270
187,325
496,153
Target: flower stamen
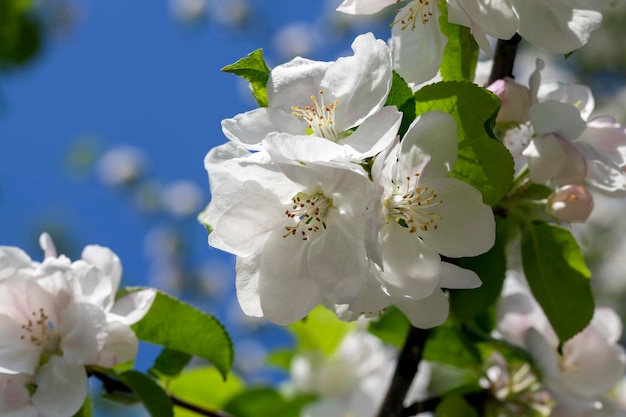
416,11
310,211
320,117
414,206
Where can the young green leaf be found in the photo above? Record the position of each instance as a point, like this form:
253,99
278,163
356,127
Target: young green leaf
266,402
401,96
482,160
320,330
558,277
461,53
149,392
86,410
447,344
181,327
455,406
392,327
205,388
254,70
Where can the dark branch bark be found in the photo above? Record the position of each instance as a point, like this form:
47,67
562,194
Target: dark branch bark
406,368
428,405
112,385
504,58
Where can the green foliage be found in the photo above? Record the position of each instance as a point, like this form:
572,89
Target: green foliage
483,161
266,402
169,363
455,406
280,358
401,96
534,191
558,277
320,330
254,70
392,327
447,344
491,268
461,53
181,327
205,388
20,33
149,392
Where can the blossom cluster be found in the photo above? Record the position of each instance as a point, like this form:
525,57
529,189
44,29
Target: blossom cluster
322,203
56,318
549,127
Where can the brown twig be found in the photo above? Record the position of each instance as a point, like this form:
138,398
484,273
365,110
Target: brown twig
504,58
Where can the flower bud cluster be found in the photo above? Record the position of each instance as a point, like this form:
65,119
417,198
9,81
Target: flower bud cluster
56,318
323,204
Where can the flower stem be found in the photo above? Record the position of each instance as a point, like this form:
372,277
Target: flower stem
406,368
504,58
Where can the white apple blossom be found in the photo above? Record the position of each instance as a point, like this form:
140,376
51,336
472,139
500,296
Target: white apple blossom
571,203
589,365
298,230
322,102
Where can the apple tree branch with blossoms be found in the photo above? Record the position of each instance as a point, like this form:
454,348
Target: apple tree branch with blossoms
408,222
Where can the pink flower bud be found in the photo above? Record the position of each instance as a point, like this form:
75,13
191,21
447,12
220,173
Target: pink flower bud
515,100
571,203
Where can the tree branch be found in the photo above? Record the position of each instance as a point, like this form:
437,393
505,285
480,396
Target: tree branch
504,58
406,368
425,406
112,385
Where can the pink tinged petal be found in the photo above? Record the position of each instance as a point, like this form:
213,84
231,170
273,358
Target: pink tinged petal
571,203
61,388
411,268
462,224
360,82
249,129
546,158
455,277
429,148
575,168
247,284
47,245
120,347
14,396
608,324
558,26
287,291
554,117
592,366
425,313
17,355
93,285
417,53
82,329
13,259
364,6
132,307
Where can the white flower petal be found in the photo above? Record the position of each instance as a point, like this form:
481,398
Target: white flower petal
455,277
120,347
13,259
247,284
61,390
82,329
364,6
425,313
132,307
105,260
554,117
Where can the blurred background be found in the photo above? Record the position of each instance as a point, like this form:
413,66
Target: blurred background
107,109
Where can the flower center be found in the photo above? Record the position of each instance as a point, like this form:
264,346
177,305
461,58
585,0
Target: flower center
320,117
41,331
310,212
418,10
414,206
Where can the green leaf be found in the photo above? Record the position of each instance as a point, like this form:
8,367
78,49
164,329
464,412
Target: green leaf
280,358
392,327
181,327
401,96
149,392
447,344
455,406
254,70
491,268
534,192
205,388
263,401
169,363
460,55
86,410
321,330
483,161
558,277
